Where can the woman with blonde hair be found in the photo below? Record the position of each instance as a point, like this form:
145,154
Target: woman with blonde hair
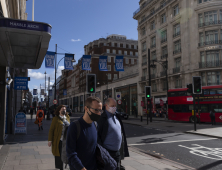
58,125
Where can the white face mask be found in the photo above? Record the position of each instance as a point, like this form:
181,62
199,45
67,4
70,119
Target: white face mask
111,109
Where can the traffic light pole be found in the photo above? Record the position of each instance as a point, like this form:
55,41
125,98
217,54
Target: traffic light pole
150,105
194,104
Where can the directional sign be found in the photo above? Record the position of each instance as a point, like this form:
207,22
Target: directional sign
55,101
119,102
21,83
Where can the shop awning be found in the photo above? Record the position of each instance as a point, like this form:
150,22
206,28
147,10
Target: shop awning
23,44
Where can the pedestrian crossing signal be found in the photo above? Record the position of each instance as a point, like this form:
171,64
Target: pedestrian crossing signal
91,83
148,92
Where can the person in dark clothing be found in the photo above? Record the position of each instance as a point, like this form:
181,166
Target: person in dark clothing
81,153
111,133
212,117
31,112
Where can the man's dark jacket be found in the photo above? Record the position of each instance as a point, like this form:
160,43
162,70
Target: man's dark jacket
103,126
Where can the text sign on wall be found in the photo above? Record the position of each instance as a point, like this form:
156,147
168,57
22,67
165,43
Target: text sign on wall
20,123
21,83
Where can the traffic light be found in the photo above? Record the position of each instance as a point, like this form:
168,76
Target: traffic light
197,87
190,88
148,92
91,83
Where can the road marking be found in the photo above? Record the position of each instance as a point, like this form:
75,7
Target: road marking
211,153
171,142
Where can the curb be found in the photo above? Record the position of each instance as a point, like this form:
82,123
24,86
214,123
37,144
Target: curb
200,134
160,158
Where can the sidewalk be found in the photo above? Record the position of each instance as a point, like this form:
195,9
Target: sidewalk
30,152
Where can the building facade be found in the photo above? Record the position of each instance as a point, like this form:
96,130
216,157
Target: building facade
184,37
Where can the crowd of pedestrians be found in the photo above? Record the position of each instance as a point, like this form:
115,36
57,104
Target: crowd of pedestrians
96,141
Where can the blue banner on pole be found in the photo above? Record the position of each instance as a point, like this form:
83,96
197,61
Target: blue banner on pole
21,83
119,63
103,63
50,92
34,91
86,59
64,92
49,59
68,61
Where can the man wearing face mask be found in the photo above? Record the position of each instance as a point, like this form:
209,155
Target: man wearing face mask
81,152
111,133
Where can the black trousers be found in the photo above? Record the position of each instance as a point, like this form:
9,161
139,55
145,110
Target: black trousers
58,160
116,156
213,122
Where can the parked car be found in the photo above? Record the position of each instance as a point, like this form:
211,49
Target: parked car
122,113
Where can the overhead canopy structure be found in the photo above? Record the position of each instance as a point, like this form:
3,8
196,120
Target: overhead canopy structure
23,44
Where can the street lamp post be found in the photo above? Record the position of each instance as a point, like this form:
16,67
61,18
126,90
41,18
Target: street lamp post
45,86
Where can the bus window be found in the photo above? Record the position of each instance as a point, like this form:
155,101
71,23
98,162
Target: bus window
172,94
206,91
213,91
184,108
216,107
177,108
190,108
189,94
204,108
182,93
219,91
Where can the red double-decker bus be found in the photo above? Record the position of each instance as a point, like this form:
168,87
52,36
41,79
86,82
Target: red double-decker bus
180,104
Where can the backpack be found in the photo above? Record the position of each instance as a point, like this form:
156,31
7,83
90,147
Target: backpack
40,114
63,154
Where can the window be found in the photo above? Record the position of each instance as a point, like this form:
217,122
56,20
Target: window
136,53
115,77
114,68
221,15
144,72
131,53
132,61
109,59
201,37
164,51
163,18
176,10
107,50
109,77
109,67
163,3
153,55
126,60
154,87
153,71
213,78
201,1
112,44
211,37
178,83
177,46
143,46
152,25
177,62
144,59
135,47
114,51
118,44
104,44
202,57
120,52
201,19
143,17
152,11
125,52
213,58
210,17
164,36
176,29
143,31
153,41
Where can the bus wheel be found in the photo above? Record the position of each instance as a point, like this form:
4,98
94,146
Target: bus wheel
191,119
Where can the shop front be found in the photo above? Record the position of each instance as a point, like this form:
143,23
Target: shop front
160,104
129,103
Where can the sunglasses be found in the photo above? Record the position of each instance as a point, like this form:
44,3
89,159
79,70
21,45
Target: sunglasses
96,110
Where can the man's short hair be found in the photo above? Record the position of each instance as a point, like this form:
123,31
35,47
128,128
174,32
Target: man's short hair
108,100
90,99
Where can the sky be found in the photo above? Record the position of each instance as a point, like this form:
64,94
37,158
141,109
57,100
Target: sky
76,23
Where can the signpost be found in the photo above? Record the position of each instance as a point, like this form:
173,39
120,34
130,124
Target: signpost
119,102
20,123
118,95
55,101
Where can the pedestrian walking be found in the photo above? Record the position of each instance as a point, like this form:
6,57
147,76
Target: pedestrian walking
212,117
39,117
56,131
111,133
81,150
31,113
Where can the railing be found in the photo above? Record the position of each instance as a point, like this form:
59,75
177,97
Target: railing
210,23
164,56
153,46
144,63
162,73
209,42
176,34
153,59
177,51
153,76
209,64
176,70
155,11
143,78
164,40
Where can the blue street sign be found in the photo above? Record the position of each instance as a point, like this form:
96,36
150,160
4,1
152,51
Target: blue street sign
119,63
103,63
49,59
64,92
68,61
86,59
21,83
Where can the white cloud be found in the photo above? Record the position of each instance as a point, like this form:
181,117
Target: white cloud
36,75
73,40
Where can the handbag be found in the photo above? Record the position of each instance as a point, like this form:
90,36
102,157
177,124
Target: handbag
36,121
